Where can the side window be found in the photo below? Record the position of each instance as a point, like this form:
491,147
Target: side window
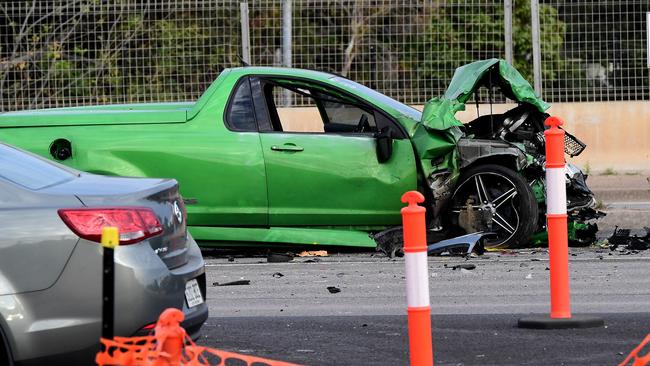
342,117
241,112
301,119
324,113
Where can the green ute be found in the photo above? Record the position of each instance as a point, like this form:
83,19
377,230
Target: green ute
254,172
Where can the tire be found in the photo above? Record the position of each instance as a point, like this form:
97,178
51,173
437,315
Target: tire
5,354
509,197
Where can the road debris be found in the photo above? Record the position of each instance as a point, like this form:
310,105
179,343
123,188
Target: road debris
311,260
279,257
621,240
313,253
468,266
233,283
333,289
277,275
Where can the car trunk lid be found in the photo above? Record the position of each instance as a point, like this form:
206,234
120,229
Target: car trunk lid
160,195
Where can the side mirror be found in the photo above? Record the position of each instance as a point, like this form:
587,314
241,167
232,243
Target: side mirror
384,141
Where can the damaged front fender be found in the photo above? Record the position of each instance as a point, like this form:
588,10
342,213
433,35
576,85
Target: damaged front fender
472,150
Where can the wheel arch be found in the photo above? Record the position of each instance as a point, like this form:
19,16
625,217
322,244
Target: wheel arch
5,347
479,152
508,160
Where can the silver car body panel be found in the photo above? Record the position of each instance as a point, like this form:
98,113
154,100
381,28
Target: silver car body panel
35,244
67,316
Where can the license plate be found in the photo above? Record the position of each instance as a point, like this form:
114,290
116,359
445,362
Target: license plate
193,294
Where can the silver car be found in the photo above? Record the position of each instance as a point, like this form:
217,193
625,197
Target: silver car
50,259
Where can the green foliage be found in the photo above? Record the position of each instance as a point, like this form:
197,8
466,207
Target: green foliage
609,171
94,53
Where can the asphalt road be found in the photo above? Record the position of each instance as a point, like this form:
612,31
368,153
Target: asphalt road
458,340
294,317
287,313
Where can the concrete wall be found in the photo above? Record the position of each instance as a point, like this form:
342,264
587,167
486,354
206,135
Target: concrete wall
617,134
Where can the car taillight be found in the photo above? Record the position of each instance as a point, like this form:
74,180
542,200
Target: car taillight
134,223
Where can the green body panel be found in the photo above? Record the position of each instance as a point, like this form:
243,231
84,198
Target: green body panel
215,236
344,184
439,113
467,79
122,114
573,227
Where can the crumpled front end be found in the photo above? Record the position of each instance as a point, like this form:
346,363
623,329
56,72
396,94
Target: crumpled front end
446,146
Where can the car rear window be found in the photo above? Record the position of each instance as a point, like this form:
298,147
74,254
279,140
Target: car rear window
30,171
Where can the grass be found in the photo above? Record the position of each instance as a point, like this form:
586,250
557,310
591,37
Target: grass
609,171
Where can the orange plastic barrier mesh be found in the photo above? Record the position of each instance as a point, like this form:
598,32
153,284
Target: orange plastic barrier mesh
170,346
635,358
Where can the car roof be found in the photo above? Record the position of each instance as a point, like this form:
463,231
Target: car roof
283,71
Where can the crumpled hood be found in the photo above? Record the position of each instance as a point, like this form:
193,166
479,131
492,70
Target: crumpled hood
439,112
438,132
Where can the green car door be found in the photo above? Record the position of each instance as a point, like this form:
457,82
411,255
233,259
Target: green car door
323,169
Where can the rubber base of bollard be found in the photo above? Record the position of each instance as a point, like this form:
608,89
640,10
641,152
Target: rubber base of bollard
574,322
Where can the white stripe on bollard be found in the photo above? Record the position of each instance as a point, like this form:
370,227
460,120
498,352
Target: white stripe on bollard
555,191
417,279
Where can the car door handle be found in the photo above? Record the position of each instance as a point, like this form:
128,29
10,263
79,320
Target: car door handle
287,147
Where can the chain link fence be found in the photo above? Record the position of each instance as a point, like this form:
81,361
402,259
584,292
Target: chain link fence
56,53
595,50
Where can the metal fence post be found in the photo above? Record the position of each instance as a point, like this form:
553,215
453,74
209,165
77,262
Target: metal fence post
245,33
507,29
537,51
647,35
286,43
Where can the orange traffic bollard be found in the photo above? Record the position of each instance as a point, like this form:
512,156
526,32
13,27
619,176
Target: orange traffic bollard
556,219
417,280
558,242
170,337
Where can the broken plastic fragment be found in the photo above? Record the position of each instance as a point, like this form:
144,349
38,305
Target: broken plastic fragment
233,283
333,289
279,257
313,253
468,267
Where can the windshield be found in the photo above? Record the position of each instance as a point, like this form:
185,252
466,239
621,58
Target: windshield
30,171
375,95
